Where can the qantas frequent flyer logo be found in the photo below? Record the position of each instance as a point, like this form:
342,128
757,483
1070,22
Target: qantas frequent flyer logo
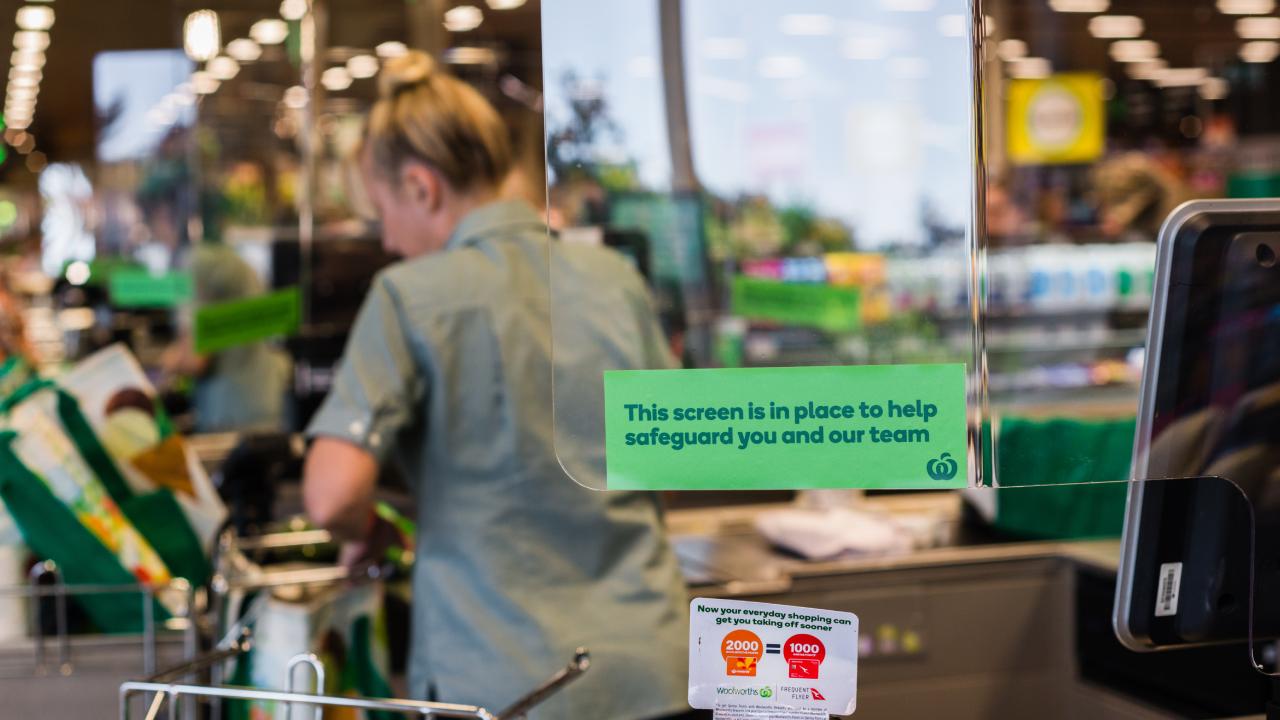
742,651
804,655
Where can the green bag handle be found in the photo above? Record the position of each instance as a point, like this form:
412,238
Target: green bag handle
52,531
85,439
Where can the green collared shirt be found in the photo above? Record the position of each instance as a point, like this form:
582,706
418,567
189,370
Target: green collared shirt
449,368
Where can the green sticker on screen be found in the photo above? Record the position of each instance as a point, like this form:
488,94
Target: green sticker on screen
240,322
871,426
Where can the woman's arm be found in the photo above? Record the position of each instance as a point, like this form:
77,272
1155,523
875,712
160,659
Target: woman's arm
338,486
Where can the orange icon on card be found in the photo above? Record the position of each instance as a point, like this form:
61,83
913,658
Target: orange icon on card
742,651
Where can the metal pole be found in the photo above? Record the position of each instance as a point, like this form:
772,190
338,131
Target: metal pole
148,632
977,252
671,27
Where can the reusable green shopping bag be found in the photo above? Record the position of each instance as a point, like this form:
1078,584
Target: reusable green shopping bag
156,514
1064,498
14,373
53,532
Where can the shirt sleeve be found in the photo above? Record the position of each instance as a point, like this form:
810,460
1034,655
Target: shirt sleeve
378,388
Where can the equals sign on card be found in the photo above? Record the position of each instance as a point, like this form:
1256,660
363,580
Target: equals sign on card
773,648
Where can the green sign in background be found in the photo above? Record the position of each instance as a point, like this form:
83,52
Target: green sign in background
863,427
834,309
139,288
225,325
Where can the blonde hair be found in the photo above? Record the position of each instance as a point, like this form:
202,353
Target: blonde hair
427,115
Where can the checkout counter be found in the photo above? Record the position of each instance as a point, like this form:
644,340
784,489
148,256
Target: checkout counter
983,628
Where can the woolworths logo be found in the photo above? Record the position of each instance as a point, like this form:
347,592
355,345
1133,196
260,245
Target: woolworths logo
764,693
943,468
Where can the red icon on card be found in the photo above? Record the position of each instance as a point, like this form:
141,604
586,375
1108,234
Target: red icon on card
816,695
804,655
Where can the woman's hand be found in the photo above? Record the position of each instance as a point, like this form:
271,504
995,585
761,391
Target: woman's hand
357,556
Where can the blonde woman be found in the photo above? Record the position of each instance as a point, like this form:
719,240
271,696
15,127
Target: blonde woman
448,370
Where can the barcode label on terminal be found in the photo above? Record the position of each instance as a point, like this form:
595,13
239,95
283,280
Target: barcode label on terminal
1170,580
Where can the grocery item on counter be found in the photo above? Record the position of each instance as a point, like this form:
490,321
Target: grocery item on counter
344,626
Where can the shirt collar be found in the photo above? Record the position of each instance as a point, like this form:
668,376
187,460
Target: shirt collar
492,219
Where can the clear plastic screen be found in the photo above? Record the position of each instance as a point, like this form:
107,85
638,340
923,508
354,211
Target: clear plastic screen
794,182
1211,407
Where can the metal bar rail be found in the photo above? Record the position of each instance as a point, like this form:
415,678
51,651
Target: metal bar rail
60,591
173,692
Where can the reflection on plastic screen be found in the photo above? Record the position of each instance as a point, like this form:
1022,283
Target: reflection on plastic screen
1196,564
794,182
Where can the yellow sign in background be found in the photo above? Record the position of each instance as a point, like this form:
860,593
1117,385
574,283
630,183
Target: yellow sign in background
1057,120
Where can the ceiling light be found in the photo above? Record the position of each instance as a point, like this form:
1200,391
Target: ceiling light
26,63
21,81
866,48
1011,49
391,49
293,9
35,17
1134,50
463,18
1181,77
1030,68
1258,28
724,48
18,123
30,40
1215,88
1246,7
201,35
27,145
505,4
244,50
295,97
1080,6
362,66
14,110
907,5
908,68
22,94
988,26
1259,51
807,25
470,56
782,67
223,68
37,162
335,79
953,26
1115,26
25,71
204,83
269,32
1146,69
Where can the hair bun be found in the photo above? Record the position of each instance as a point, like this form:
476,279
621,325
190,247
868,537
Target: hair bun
406,72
